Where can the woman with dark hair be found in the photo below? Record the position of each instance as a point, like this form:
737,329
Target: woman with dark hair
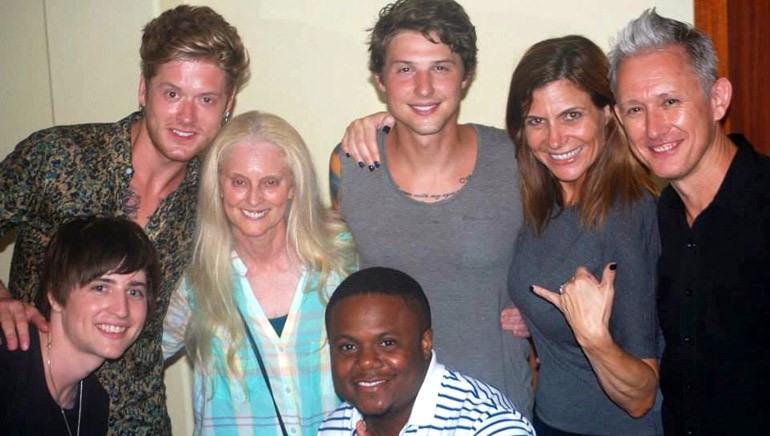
583,272
99,276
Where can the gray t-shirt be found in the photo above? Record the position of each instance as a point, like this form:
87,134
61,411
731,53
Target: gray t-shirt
569,396
459,249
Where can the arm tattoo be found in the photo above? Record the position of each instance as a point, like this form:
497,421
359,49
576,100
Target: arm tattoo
335,176
335,183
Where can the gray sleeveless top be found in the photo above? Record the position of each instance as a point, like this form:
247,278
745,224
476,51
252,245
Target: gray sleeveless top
459,250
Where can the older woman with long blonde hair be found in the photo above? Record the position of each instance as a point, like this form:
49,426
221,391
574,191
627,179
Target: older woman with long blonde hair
266,258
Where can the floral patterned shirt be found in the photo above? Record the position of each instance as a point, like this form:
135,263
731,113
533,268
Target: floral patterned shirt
70,171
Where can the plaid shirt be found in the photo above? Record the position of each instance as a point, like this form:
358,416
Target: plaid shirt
297,364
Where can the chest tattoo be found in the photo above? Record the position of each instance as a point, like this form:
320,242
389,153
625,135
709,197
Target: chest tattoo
131,202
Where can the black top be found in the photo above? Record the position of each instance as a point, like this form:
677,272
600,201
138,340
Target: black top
26,406
714,305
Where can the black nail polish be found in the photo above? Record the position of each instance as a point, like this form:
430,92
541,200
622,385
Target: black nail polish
613,266
361,164
377,163
531,288
371,167
386,129
347,154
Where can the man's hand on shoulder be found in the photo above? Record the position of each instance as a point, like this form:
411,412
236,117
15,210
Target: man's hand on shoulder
15,316
512,321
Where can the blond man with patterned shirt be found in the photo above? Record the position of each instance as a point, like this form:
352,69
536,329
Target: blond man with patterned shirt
144,167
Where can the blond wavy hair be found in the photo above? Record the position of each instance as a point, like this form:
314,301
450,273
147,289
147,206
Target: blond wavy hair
194,33
313,233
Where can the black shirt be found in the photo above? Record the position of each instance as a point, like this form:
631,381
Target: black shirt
714,305
26,406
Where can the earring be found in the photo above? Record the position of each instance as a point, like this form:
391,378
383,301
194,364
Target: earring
141,108
226,117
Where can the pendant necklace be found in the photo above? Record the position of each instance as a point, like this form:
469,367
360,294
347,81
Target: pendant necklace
56,390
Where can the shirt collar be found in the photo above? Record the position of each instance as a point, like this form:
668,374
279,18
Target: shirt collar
731,194
120,145
238,266
424,407
737,183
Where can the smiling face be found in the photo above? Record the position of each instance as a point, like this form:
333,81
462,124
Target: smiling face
565,132
184,105
423,82
671,123
379,354
257,188
104,317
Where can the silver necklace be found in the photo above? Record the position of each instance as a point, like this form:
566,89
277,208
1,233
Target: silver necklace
56,391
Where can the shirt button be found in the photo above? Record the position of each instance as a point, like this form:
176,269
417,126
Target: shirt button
293,430
688,292
129,171
687,339
288,390
688,386
690,245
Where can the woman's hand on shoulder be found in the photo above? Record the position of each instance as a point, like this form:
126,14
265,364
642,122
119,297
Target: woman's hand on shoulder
360,139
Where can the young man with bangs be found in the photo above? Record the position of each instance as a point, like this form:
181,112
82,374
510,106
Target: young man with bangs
143,167
444,207
99,279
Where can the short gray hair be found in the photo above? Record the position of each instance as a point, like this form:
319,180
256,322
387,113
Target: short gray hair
651,31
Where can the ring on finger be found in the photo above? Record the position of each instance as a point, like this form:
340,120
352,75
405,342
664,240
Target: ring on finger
561,288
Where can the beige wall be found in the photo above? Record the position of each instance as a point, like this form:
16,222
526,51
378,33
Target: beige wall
72,61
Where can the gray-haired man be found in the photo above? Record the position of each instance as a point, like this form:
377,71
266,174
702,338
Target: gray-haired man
714,275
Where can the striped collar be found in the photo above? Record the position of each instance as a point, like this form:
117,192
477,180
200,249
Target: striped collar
424,407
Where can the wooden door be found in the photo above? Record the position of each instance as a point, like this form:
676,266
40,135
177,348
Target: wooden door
740,30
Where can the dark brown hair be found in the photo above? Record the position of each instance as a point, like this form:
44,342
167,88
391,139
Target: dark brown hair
444,18
616,174
85,249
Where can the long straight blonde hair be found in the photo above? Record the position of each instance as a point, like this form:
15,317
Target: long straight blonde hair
313,233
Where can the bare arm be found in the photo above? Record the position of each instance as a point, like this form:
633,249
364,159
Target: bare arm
15,316
586,303
360,140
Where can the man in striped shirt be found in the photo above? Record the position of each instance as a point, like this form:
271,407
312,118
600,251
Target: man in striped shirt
381,341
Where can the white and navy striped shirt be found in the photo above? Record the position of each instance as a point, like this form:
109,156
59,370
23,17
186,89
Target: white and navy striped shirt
448,403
